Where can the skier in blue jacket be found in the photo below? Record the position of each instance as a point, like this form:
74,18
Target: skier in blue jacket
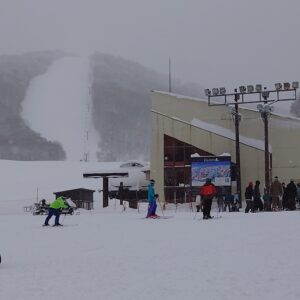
151,200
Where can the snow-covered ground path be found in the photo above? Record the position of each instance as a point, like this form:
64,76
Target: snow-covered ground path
58,105
113,255
107,254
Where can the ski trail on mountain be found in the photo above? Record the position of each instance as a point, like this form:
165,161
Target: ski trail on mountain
58,106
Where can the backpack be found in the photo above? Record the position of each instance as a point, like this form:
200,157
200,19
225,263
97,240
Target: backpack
208,190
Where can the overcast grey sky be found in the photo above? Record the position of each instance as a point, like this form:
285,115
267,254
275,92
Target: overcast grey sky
213,42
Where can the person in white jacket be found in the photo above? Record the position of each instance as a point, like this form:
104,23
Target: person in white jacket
198,203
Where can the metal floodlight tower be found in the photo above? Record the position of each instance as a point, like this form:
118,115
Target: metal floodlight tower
237,120
264,97
265,112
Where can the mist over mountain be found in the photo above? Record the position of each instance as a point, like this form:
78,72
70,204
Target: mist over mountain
121,105
17,140
120,91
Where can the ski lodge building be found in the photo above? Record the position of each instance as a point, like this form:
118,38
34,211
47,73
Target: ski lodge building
183,126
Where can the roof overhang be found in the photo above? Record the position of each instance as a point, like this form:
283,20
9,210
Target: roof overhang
106,175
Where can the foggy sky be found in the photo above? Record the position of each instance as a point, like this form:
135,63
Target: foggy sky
212,42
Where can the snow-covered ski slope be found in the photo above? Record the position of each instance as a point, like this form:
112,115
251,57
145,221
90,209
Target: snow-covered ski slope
58,105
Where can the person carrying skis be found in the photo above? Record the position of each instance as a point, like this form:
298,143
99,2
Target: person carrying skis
207,192
151,200
55,209
198,203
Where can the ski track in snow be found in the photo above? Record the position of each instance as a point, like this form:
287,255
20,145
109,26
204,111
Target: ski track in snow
58,106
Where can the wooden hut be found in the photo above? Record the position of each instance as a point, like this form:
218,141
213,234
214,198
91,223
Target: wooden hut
83,198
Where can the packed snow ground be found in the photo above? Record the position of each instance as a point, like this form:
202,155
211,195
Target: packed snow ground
114,254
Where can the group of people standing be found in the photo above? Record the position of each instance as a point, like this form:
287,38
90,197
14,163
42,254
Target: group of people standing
207,192
281,197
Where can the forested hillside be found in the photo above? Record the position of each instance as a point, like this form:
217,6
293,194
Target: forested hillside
17,140
121,100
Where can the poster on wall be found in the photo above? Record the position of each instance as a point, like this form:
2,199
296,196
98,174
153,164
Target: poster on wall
217,168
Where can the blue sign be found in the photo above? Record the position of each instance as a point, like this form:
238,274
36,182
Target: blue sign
218,169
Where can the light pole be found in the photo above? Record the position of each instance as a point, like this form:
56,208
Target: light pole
282,92
265,112
237,119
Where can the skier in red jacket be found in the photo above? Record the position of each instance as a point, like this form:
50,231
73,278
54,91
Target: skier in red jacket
207,192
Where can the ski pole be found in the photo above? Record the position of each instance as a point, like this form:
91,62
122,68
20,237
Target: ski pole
195,215
61,222
160,207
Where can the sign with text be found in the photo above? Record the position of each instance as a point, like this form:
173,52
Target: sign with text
216,168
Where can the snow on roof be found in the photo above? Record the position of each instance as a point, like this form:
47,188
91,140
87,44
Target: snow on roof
229,134
278,113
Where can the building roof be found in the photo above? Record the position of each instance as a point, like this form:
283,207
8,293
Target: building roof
106,174
241,105
229,134
79,189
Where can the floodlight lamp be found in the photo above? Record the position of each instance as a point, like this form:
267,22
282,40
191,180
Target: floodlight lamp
260,107
250,88
265,94
267,108
258,87
222,91
278,86
295,85
207,92
231,109
286,85
215,91
242,89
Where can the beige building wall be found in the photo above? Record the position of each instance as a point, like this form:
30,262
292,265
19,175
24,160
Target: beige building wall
172,115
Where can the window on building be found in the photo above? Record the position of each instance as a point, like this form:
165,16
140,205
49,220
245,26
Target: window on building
177,169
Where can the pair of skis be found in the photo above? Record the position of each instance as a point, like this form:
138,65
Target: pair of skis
160,217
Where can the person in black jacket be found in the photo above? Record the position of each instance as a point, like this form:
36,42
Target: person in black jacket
249,197
257,203
291,192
